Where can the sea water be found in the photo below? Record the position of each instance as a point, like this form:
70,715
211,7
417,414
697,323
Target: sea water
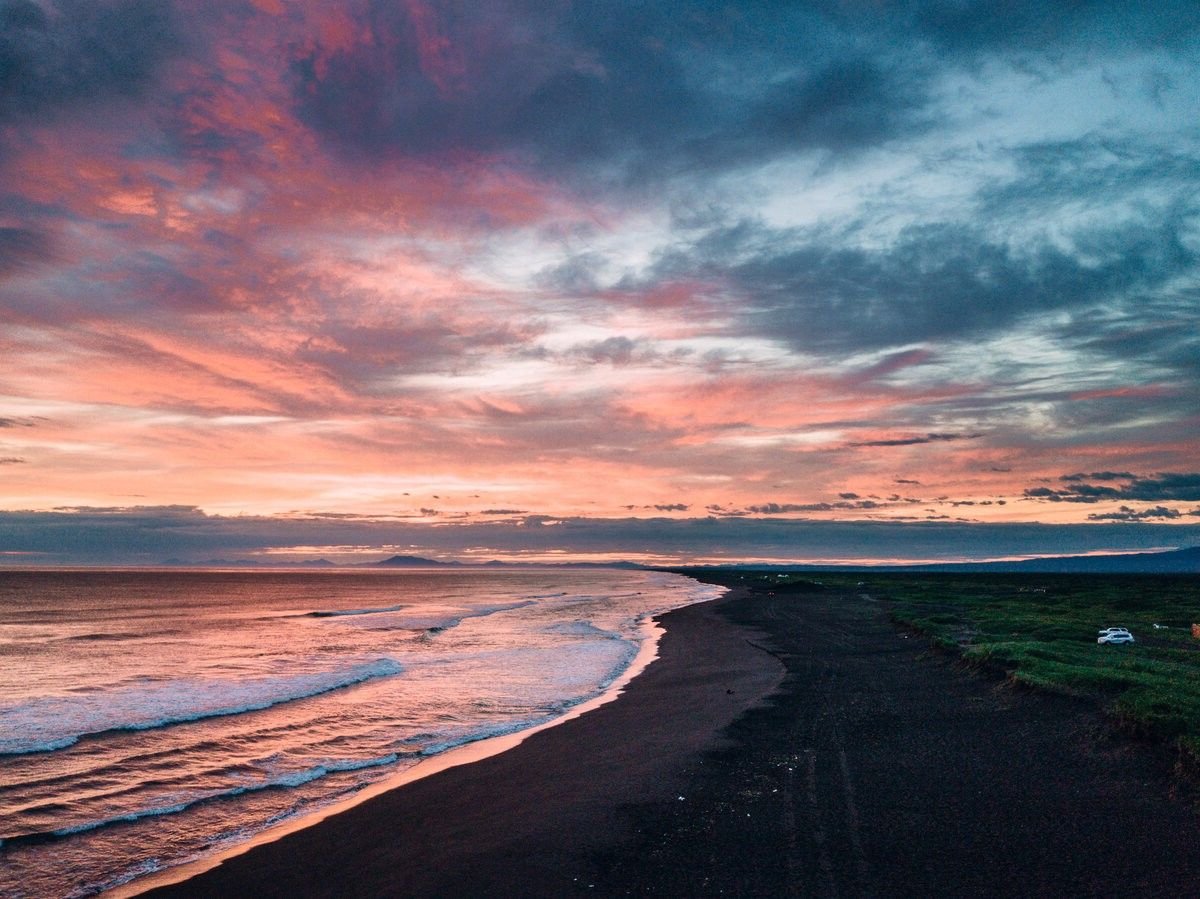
150,718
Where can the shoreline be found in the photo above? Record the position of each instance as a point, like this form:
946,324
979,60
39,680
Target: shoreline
190,876
873,767
465,754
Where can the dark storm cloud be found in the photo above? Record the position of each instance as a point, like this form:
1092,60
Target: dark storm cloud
1166,331
792,508
846,106
1167,486
22,249
11,460
519,80
974,27
1156,186
609,90
940,280
622,90
1093,167
1171,486
913,441
1125,513
1114,275
81,50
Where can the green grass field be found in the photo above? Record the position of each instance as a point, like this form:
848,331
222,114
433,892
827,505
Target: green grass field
1042,630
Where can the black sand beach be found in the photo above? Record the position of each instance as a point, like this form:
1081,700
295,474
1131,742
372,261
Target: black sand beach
876,768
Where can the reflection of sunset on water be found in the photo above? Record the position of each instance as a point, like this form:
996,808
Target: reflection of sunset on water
161,716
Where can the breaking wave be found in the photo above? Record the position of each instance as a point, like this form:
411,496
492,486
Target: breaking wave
283,781
56,722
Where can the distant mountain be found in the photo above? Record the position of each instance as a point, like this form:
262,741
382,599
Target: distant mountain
399,561
248,563
1177,561
410,562
419,562
212,563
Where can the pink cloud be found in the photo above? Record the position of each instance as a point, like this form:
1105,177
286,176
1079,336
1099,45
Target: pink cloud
338,257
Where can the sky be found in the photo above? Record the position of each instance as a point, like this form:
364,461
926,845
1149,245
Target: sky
828,280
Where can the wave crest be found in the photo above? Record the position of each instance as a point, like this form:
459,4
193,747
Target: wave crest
290,780
56,722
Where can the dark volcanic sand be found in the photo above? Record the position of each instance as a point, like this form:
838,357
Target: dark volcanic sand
877,769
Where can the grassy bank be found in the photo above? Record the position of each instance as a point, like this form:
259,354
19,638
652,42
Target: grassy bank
1041,630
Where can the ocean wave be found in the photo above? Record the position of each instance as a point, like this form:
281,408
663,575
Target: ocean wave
581,628
437,743
483,733
393,617
339,613
141,869
484,611
436,624
56,722
99,637
290,780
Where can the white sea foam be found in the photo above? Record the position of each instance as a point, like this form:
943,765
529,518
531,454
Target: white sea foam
483,653
141,869
582,629
56,722
290,779
436,747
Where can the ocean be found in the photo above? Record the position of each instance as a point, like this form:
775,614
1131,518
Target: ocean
151,718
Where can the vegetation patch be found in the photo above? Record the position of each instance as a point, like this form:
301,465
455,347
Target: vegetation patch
1042,629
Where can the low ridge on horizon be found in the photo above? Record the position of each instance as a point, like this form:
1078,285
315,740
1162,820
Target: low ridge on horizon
1182,560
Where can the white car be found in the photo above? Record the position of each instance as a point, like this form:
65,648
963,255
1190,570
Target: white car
1115,635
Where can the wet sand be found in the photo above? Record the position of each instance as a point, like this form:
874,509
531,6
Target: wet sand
876,768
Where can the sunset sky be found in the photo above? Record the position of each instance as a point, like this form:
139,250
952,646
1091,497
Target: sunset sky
824,280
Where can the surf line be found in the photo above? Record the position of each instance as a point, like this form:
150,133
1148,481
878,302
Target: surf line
650,632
